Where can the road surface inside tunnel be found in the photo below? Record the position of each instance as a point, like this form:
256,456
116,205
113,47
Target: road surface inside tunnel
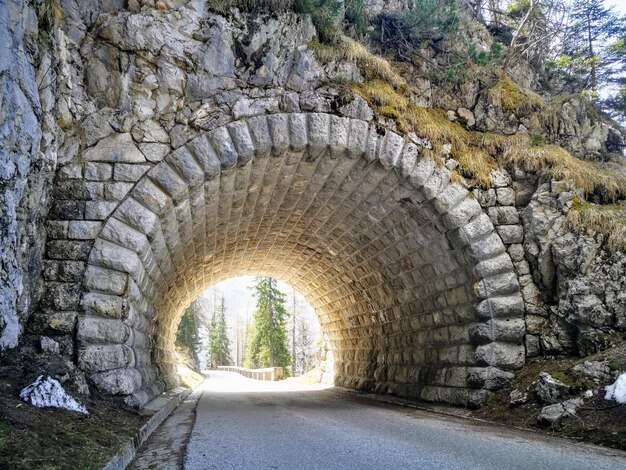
247,424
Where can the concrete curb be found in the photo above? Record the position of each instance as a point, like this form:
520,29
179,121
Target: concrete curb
163,407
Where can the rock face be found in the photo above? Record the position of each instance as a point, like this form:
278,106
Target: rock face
190,147
549,390
48,392
553,413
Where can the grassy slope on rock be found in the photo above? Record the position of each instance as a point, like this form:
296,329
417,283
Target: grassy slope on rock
479,153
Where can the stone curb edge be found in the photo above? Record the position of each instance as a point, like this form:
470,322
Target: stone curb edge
127,453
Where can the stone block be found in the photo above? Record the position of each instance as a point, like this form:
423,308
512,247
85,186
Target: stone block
240,135
99,210
138,216
318,132
154,152
486,197
63,271
98,171
489,378
503,215
129,173
224,147
115,148
126,236
109,255
502,355
105,280
118,382
477,228
390,150
498,285
61,296
497,265
56,229
117,191
408,159
501,307
462,214
96,358
436,183
62,322
260,132
67,210
278,125
168,179
83,229
183,161
506,196
298,137
371,145
104,305
68,250
507,330
450,197
487,247
92,330
511,234
339,134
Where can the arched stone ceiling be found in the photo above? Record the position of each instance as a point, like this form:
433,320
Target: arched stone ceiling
413,287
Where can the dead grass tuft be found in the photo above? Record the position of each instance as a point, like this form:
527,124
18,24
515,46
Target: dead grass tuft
609,220
372,66
507,94
480,153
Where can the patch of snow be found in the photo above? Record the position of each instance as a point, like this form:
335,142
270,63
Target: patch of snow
49,392
617,391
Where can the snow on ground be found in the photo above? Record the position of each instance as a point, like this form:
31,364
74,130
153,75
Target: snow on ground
617,391
49,392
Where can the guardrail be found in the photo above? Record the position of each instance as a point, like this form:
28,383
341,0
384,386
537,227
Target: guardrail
269,373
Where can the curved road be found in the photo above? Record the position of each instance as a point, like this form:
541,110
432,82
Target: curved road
246,424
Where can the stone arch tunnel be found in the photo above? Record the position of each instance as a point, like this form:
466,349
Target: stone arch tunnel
412,284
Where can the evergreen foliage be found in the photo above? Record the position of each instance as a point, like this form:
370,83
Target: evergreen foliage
219,345
188,336
268,342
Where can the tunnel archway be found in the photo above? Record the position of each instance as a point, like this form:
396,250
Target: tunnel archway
413,286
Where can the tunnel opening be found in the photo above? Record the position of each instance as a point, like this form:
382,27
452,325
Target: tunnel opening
219,328
413,288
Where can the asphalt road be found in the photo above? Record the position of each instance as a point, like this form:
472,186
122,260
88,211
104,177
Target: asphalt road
247,424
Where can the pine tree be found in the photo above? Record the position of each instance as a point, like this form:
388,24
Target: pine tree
219,344
187,337
593,28
268,345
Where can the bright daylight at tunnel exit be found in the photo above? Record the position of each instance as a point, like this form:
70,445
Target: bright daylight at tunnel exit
312,234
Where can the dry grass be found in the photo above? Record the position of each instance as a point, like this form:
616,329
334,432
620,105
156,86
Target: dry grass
480,153
505,93
609,220
372,66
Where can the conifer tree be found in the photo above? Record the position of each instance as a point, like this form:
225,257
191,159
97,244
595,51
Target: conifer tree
187,337
219,344
268,345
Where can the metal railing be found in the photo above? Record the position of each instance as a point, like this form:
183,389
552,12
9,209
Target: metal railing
269,373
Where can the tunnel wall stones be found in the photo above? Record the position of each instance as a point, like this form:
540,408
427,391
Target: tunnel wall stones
415,290
190,148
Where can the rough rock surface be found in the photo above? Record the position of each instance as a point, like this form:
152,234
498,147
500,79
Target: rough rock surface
553,413
549,390
155,118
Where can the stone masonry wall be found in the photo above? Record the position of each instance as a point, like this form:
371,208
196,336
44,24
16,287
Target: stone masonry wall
192,148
